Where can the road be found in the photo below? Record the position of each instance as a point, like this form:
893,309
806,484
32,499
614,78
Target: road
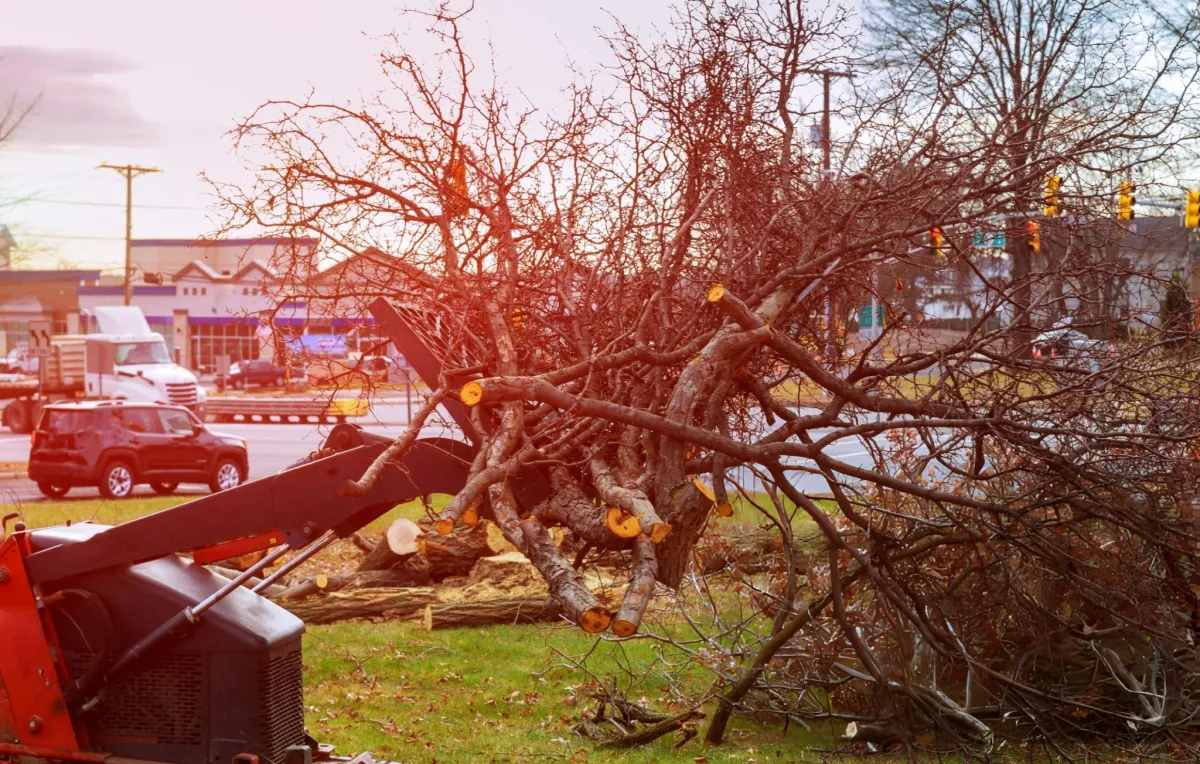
272,447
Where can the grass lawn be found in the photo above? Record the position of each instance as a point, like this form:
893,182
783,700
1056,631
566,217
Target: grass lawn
502,693
495,694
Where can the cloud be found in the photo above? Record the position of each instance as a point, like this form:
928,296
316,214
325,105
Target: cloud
75,105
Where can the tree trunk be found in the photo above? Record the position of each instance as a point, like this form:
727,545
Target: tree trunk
453,615
361,603
438,556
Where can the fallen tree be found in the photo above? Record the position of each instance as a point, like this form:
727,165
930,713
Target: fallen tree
625,298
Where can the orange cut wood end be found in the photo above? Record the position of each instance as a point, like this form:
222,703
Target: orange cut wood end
715,293
444,526
470,518
658,532
322,581
471,394
724,510
594,620
704,489
624,628
622,524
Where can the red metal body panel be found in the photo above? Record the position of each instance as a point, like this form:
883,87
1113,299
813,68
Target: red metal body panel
33,714
236,548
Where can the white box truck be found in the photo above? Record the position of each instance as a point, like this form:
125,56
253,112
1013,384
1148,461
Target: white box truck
124,361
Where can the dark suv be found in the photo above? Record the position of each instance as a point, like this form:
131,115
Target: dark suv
114,445
245,373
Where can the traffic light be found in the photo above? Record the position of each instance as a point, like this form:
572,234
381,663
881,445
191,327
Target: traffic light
1033,236
937,243
1126,200
1050,199
1191,216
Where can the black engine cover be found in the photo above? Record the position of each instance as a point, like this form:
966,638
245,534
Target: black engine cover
234,685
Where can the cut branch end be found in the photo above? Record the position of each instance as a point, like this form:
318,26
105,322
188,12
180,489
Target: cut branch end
444,526
595,620
622,524
715,293
471,394
659,532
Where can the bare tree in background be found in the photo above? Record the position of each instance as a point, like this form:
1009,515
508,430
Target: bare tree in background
631,289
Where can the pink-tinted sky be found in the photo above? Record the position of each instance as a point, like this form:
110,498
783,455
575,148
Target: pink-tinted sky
158,83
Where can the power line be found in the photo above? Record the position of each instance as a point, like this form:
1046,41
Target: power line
65,236
80,203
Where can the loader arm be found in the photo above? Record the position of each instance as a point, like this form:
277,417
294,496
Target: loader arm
301,503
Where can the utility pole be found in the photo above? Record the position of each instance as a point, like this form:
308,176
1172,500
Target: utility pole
827,175
130,172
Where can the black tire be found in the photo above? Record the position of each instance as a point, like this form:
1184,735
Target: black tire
117,480
53,491
18,415
279,380
239,384
164,489
226,474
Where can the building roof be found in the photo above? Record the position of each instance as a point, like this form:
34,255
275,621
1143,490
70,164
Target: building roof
22,275
204,270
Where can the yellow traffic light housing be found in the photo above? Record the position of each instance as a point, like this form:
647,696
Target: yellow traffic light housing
1191,216
1033,236
1050,199
937,243
1126,200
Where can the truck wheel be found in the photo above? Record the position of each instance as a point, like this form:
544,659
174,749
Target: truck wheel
53,491
164,489
116,480
18,415
279,380
227,474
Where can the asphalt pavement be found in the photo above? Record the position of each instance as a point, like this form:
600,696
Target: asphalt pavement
272,447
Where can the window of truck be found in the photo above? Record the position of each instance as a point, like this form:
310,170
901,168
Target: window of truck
131,353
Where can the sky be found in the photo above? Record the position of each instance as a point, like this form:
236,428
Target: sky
159,83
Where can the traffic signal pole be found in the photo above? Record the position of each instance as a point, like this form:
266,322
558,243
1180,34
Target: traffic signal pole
826,173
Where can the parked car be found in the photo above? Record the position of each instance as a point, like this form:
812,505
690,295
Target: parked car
19,361
115,445
1070,348
242,374
381,368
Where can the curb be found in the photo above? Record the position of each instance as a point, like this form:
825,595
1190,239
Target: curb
13,476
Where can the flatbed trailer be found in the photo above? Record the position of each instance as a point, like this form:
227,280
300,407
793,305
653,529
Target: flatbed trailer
284,410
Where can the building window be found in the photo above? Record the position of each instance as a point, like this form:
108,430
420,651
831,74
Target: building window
245,291
203,290
238,341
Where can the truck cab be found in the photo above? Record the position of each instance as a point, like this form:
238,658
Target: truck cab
124,361
142,370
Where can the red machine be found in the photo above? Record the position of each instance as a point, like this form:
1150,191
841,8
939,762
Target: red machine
114,646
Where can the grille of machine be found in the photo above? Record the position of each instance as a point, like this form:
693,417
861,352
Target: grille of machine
281,689
160,703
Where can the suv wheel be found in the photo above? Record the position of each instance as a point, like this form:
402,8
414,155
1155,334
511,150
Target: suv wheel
279,380
116,481
53,491
227,474
164,489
